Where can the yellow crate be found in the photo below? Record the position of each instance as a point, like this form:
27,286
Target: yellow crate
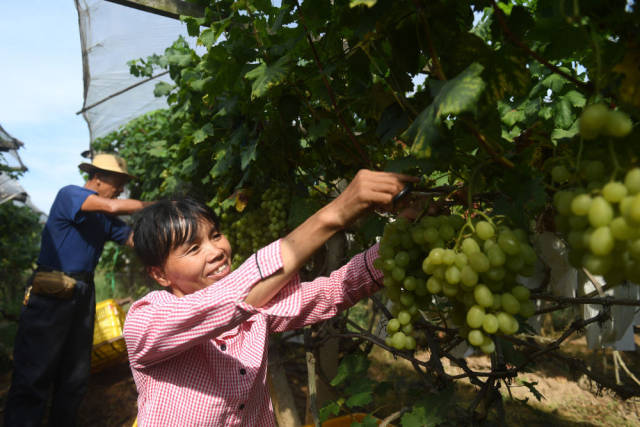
108,343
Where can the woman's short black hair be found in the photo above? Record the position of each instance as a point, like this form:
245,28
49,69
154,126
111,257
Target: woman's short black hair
167,224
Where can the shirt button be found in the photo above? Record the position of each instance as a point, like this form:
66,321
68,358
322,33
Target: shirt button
242,371
241,407
223,347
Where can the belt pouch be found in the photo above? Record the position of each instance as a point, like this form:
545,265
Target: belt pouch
54,284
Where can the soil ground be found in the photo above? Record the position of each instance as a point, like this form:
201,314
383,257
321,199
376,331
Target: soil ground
567,401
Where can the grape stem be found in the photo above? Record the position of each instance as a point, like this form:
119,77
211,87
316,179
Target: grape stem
614,160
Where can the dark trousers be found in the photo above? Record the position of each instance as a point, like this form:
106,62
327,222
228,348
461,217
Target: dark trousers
52,354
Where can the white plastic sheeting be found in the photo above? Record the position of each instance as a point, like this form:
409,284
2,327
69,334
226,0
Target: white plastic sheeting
110,36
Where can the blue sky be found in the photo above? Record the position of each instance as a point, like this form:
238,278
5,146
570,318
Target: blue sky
41,90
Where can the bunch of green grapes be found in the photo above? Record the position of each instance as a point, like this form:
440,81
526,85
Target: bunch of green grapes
598,205
601,224
434,261
258,225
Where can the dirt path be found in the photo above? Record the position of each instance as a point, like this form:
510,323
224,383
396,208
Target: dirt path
111,399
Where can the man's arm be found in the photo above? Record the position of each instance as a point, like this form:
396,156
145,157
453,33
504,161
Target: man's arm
95,203
368,189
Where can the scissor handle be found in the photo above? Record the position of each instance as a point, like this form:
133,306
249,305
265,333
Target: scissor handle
406,190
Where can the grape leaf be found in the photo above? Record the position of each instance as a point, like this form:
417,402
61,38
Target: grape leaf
266,76
351,365
456,96
368,3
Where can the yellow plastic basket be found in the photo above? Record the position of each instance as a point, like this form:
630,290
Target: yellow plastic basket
108,343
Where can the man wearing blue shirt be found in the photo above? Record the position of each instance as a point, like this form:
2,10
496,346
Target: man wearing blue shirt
52,351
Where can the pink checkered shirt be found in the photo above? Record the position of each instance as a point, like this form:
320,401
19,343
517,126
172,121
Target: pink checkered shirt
201,360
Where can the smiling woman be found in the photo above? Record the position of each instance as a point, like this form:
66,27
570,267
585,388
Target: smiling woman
205,342
181,245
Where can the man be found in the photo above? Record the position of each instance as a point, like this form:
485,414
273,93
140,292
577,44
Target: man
52,351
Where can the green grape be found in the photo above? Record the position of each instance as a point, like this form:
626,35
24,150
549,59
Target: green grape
528,253
479,262
448,256
515,263
436,255
475,337
560,174
402,259
507,324
410,283
475,316
562,202
521,293
470,246
483,296
468,276
438,272
407,299
484,230
410,342
597,264
393,326
601,241
404,317
632,181
620,230
614,191
398,274
509,303
398,340
618,124
406,241
496,274
427,266
592,120
429,221
508,243
434,285
452,275
634,209
580,204
388,265
377,263
407,329
449,289
461,260
634,249
388,281
447,232
431,235
497,304
490,323
393,293
600,212
496,256
417,235
528,308
488,346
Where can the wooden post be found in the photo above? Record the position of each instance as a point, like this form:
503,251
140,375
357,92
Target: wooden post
168,8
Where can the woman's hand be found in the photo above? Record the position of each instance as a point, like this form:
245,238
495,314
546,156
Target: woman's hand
368,190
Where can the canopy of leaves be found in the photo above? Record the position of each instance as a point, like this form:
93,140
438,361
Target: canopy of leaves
307,92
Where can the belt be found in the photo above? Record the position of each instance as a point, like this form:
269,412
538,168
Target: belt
83,276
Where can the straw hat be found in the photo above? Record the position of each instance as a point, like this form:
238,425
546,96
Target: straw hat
106,163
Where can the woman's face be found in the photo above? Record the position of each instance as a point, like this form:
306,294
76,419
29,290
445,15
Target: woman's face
198,264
